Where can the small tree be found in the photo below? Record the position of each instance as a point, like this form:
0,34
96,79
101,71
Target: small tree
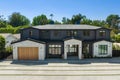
2,44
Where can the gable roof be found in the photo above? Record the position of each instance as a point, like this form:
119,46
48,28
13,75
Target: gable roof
17,36
29,40
66,26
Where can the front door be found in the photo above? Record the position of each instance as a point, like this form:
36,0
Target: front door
73,47
72,50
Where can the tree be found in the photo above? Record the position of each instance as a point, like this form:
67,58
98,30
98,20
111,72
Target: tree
76,19
86,21
3,22
66,20
113,21
2,44
40,20
16,19
57,22
51,15
50,21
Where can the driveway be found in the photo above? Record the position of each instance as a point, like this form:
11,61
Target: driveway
57,69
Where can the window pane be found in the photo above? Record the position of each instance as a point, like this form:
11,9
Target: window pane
102,49
54,49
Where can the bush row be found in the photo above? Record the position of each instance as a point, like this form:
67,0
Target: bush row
10,29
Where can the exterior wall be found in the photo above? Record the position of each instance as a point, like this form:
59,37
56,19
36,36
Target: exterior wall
73,42
28,43
106,37
62,34
95,49
90,37
44,34
25,34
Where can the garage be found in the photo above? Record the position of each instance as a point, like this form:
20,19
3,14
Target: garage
29,50
28,53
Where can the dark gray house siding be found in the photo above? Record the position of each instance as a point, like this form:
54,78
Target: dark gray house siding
106,37
26,34
57,36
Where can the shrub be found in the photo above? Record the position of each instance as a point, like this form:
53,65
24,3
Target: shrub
2,44
8,50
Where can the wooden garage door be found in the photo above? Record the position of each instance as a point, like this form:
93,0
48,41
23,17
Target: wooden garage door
28,53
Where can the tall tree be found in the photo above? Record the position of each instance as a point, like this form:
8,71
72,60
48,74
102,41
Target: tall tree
76,19
113,20
2,44
66,20
3,22
57,22
86,21
16,19
51,15
40,20
50,21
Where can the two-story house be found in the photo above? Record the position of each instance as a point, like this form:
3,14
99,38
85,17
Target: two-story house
62,41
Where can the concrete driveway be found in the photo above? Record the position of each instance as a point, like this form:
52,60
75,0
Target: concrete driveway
57,69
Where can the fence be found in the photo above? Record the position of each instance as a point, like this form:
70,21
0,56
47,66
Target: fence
116,53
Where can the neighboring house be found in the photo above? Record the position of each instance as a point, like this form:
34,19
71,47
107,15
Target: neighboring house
62,41
9,38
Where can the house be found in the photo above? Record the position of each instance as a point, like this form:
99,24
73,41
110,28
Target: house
9,38
62,41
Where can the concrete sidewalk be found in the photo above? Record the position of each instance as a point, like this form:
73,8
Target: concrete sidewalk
58,69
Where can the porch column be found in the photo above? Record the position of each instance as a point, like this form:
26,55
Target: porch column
80,51
65,52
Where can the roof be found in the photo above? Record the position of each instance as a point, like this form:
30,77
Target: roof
17,36
29,40
5,35
66,26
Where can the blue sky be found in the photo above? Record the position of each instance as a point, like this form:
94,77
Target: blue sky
93,9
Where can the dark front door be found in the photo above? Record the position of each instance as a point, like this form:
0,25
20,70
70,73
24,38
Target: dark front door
72,50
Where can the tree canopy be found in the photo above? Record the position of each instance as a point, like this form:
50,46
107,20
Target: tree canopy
76,19
113,20
40,20
3,22
16,19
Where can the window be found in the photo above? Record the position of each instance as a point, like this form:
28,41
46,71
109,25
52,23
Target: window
85,48
54,49
86,33
31,33
102,33
72,48
56,33
102,49
71,33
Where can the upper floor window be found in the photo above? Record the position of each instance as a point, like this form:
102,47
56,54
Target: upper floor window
86,33
56,33
102,33
31,33
71,33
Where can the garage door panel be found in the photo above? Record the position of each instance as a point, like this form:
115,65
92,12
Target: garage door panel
28,53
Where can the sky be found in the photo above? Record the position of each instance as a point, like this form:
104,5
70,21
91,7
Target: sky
92,9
